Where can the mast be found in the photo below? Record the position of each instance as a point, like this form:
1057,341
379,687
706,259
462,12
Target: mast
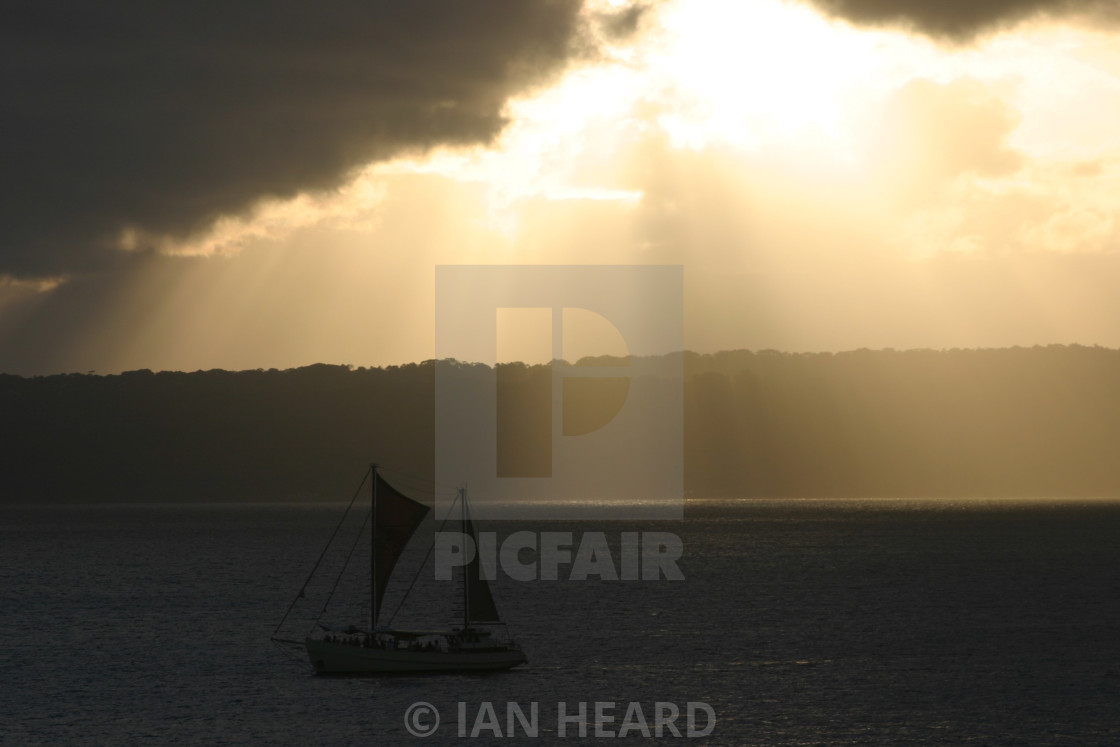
373,548
466,568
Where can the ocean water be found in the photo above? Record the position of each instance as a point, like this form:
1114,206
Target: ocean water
799,622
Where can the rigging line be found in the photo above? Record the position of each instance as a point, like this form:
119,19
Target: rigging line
287,647
357,537
423,563
323,554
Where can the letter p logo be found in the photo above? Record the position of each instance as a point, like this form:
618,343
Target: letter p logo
542,422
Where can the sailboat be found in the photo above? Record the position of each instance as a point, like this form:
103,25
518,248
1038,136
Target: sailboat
472,646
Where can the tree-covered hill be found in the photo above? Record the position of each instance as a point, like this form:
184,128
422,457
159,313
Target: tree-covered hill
1041,421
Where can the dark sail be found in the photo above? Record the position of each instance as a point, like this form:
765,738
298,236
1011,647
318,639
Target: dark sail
397,517
480,602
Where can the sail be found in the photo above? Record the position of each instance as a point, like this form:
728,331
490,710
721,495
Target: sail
397,517
480,602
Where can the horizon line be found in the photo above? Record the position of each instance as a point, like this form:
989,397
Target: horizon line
581,361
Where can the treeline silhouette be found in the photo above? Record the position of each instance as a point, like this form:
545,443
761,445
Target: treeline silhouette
1041,421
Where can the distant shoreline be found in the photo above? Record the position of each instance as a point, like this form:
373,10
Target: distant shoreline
1034,422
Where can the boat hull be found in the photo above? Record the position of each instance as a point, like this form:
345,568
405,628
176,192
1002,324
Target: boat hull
342,658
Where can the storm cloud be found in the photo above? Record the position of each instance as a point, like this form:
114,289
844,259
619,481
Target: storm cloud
159,117
959,20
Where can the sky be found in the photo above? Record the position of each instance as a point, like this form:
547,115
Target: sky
271,186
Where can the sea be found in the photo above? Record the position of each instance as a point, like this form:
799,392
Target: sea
798,622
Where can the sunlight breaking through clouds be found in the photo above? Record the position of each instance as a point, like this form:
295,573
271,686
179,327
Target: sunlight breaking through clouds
825,186
766,76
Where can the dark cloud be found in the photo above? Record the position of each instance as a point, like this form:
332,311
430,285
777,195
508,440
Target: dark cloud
161,116
622,24
958,20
